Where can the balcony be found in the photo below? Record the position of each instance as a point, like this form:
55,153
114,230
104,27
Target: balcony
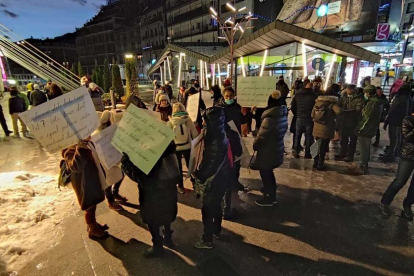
189,15
178,4
184,33
153,20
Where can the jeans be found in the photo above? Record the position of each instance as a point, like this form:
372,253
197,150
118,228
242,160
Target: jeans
395,135
155,234
15,119
348,142
323,149
109,193
303,126
405,169
365,146
231,186
180,154
269,182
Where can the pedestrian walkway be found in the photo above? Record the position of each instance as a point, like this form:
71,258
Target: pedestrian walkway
326,223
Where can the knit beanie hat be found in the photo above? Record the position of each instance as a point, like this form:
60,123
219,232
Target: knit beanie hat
371,89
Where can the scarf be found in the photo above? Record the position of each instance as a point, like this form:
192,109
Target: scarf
179,114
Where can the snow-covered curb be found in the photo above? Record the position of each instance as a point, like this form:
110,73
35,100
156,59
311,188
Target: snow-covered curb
32,209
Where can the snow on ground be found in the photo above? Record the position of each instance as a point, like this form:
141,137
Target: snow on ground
32,209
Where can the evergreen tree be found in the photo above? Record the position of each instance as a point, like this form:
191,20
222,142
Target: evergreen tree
117,85
99,79
131,76
81,72
95,73
106,75
74,70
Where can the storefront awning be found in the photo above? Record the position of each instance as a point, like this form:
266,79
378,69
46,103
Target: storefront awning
274,35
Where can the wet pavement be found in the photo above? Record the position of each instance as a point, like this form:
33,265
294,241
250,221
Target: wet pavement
325,223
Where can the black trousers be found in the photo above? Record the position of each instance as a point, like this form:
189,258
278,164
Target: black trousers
323,149
180,155
155,234
269,182
348,142
212,218
231,186
3,122
109,192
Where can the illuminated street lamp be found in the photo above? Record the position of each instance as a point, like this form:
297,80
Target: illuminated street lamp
230,26
129,56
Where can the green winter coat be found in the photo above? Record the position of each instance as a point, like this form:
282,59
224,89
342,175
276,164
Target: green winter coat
351,110
371,117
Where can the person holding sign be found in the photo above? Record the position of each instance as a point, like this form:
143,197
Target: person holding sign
157,197
185,132
212,175
201,106
270,147
88,181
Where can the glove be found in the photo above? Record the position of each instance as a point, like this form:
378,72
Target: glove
125,158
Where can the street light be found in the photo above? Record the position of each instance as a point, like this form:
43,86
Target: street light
230,26
129,56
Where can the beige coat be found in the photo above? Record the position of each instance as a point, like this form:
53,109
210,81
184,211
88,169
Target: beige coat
326,131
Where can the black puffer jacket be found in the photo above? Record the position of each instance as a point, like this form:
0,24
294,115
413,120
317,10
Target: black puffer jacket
37,97
303,102
215,156
269,142
157,190
401,107
407,149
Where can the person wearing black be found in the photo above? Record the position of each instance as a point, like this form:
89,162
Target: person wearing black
157,197
283,88
401,107
351,103
135,100
405,170
385,109
6,130
269,146
37,97
233,113
168,90
217,96
212,175
17,106
302,105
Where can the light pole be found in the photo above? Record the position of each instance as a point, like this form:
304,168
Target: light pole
230,26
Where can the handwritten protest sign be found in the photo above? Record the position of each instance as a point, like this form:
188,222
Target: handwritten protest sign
61,122
255,91
196,155
193,103
246,152
156,115
107,153
142,137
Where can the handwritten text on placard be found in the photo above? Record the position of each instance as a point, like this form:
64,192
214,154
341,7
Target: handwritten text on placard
142,137
193,106
107,153
255,91
61,122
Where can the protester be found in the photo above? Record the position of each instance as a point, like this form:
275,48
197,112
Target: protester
269,146
395,87
157,197
135,100
323,113
161,92
317,85
30,88
201,107
182,96
3,123
212,175
233,113
156,87
37,97
217,96
85,81
185,132
351,103
55,91
367,128
297,86
404,171
47,87
113,175
17,106
400,107
366,81
24,97
283,88
385,109
302,105
164,107
168,89
88,182
96,94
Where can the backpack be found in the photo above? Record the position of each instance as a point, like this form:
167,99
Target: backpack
321,114
64,174
182,134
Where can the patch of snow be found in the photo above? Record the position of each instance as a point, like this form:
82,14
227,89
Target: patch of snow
32,208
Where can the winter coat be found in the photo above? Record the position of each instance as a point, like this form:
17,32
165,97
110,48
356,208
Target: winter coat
135,101
84,176
215,157
157,190
370,117
302,104
326,131
269,142
180,122
157,97
182,98
37,97
16,105
233,113
385,108
165,111
169,91
407,149
396,86
351,110
400,107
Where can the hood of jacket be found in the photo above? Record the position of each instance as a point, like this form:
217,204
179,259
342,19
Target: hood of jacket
399,81
276,111
179,120
331,99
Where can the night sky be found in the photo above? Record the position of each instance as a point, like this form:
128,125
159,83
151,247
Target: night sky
46,18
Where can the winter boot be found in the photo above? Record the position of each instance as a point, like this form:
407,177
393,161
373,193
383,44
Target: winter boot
407,212
266,201
95,232
156,251
168,239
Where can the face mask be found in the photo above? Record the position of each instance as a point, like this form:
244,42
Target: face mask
229,102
